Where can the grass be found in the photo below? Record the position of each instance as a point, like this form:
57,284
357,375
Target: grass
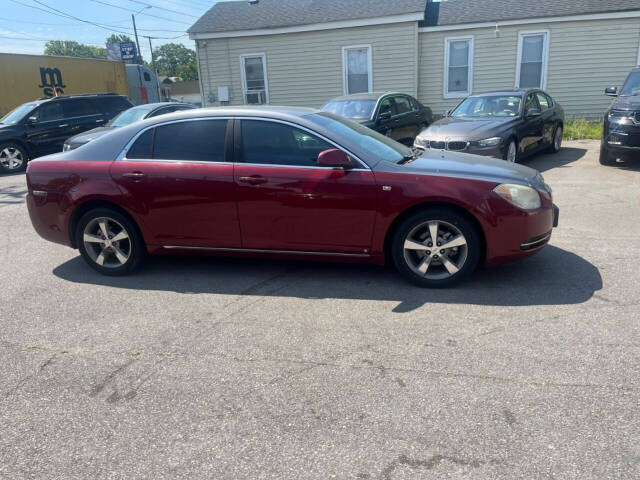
582,130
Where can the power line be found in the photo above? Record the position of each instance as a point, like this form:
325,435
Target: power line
134,11
162,8
69,24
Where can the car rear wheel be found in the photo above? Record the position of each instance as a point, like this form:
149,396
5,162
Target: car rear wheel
13,157
109,242
436,248
511,152
605,157
557,140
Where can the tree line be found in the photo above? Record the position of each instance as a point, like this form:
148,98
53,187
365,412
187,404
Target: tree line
172,59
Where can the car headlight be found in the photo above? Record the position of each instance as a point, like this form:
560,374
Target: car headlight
521,196
421,142
490,142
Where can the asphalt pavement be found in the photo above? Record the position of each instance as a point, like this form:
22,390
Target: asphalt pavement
259,369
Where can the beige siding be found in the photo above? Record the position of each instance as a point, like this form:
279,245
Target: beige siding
584,58
305,68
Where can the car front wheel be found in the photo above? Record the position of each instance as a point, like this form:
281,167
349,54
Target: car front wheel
13,157
605,157
109,242
557,140
511,152
436,248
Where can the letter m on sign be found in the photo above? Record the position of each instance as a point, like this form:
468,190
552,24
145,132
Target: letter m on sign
50,77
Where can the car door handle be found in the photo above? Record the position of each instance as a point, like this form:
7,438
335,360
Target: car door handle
63,125
253,180
135,176
99,121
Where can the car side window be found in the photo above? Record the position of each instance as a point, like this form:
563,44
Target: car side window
161,111
402,105
78,107
200,140
272,143
386,106
415,106
549,100
142,148
49,112
543,101
531,102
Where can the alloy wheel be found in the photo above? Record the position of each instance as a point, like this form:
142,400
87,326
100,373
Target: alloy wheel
107,242
557,141
435,250
11,158
511,152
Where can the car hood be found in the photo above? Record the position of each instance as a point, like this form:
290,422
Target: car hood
465,129
5,129
86,137
477,167
630,102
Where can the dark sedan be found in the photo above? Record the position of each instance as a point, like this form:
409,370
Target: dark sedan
396,115
125,118
508,125
286,182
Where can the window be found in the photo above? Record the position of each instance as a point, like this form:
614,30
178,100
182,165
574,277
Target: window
356,69
142,147
147,77
201,140
274,143
402,105
386,106
543,100
254,79
49,112
458,69
78,108
533,52
113,104
531,102
415,106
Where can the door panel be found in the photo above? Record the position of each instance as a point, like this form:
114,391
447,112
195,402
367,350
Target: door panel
48,134
306,209
182,204
532,128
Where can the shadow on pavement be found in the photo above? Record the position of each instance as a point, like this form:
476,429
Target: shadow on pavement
548,161
552,277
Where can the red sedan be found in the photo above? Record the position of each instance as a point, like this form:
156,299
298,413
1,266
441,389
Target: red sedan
286,182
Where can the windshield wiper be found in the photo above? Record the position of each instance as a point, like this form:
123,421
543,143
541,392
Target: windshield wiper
415,153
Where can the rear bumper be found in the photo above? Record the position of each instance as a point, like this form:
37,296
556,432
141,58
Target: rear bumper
517,233
47,218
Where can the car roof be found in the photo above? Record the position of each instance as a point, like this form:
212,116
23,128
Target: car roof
368,96
282,113
518,92
152,106
81,95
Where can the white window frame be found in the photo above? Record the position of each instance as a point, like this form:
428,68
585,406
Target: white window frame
445,90
345,78
244,77
545,55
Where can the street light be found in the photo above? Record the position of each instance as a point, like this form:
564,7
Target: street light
135,31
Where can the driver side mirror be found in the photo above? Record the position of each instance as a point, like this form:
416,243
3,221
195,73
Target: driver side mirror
32,120
384,116
611,91
333,158
533,112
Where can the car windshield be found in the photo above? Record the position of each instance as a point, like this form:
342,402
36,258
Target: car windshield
489,106
378,145
361,109
18,113
129,116
632,84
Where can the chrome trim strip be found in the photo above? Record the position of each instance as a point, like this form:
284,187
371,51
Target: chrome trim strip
39,193
540,240
257,250
122,156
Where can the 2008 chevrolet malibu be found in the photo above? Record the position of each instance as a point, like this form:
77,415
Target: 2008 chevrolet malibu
286,182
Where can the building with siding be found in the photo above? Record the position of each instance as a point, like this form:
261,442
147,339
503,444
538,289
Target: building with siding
305,52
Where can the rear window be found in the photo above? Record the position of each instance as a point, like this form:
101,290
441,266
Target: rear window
79,107
143,146
113,104
201,140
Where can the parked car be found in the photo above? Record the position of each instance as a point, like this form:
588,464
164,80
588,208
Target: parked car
621,133
39,128
286,182
396,115
508,125
125,118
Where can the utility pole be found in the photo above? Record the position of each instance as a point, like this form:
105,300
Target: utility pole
153,65
135,30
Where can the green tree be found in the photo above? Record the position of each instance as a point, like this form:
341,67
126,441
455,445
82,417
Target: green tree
188,71
118,38
70,48
173,58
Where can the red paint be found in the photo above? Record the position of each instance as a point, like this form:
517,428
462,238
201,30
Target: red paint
271,208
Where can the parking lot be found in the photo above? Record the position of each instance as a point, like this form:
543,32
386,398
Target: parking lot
226,368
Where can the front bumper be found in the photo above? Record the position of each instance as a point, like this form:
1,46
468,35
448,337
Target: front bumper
495,152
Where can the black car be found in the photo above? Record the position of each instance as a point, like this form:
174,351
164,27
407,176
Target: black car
396,115
509,125
621,133
125,118
39,128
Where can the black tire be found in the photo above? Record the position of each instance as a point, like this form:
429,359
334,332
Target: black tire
605,157
446,216
133,246
556,144
505,155
7,165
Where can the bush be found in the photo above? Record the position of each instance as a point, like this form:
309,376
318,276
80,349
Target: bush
578,129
